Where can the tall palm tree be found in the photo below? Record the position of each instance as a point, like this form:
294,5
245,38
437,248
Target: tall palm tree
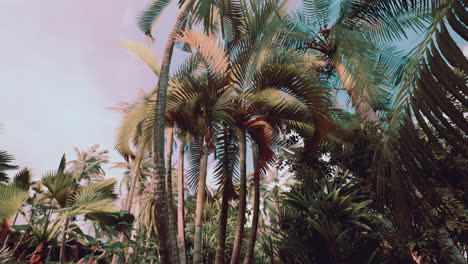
129,133
202,12
127,179
235,69
167,237
205,97
137,127
180,199
352,47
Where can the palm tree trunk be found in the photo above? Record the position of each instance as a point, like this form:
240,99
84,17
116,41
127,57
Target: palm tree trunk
169,185
12,224
219,259
134,182
369,116
168,243
362,106
180,204
236,251
256,208
197,259
64,240
40,254
127,206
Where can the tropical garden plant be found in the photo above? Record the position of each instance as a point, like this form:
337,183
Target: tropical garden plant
244,152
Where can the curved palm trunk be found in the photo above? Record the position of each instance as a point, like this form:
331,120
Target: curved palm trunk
236,251
168,244
256,209
197,259
219,259
363,108
64,240
181,204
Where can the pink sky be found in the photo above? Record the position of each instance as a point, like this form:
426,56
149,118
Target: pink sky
60,67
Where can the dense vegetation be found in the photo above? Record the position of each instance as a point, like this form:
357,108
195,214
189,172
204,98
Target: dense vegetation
257,107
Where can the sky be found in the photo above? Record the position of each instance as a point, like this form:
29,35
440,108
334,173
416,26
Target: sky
60,67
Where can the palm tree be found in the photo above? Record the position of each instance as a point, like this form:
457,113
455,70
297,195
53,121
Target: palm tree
21,180
207,96
128,181
199,15
180,199
72,199
88,164
62,184
237,68
415,108
5,159
354,45
226,172
332,213
137,127
169,249
13,194
129,134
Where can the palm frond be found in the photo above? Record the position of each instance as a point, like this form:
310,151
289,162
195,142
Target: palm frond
151,14
113,223
94,195
209,47
12,197
194,156
317,11
137,116
22,179
430,86
59,185
5,165
144,53
227,160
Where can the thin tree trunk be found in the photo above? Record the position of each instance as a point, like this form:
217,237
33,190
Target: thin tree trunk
64,240
362,106
167,237
181,204
276,258
236,251
127,205
12,224
169,185
220,247
197,259
256,208
40,254
134,182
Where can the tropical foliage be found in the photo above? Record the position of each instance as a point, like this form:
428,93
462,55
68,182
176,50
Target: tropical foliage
303,132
